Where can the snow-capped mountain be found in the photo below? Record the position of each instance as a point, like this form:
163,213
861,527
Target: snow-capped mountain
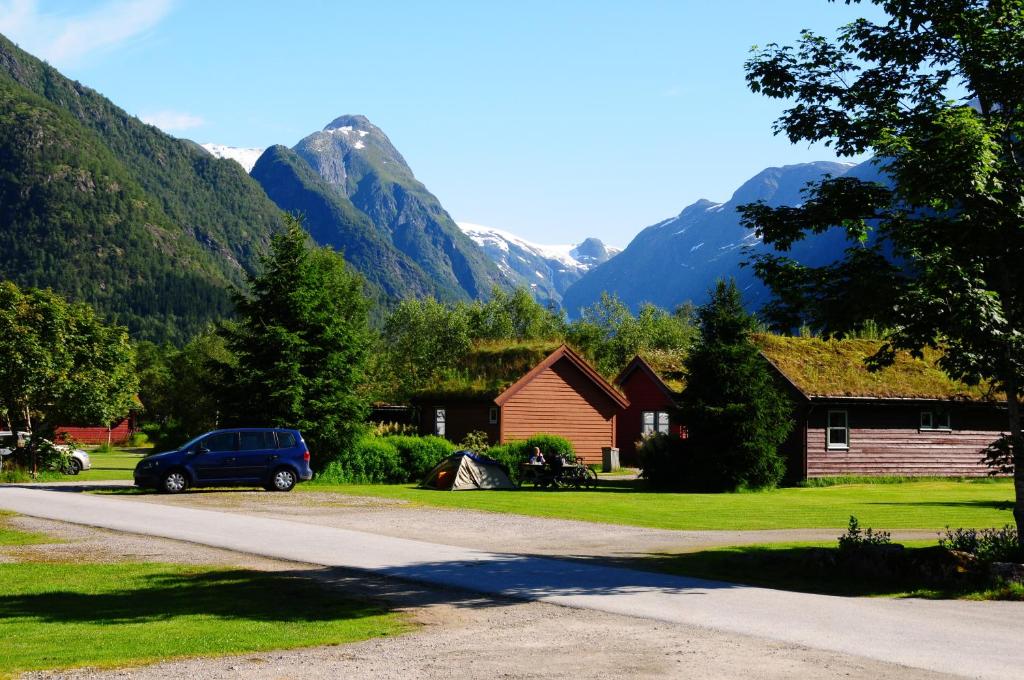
547,270
244,157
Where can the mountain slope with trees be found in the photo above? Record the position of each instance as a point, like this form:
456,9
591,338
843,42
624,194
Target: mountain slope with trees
148,228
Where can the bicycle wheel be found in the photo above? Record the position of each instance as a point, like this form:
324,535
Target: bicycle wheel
590,480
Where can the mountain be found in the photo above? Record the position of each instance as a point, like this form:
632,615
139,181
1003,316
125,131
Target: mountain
149,229
331,219
679,259
358,160
546,270
244,157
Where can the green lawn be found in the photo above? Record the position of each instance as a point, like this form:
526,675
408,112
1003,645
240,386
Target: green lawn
63,615
929,505
786,566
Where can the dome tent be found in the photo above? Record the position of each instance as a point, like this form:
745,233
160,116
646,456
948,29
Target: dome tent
467,470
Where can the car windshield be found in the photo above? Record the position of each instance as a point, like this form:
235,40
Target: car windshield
191,442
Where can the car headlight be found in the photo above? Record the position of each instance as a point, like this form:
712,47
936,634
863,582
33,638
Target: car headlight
148,464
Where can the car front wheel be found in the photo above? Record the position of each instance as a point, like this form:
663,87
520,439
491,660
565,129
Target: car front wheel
74,467
174,481
283,480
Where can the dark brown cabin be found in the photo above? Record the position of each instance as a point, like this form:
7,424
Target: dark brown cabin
562,394
909,419
653,408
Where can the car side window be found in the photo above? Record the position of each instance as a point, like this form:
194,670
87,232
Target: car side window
222,441
285,440
255,441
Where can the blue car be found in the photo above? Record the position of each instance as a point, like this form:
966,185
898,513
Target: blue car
273,458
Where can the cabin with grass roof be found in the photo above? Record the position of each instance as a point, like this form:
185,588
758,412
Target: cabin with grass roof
512,392
652,386
909,419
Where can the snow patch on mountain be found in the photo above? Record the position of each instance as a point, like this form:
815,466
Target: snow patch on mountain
243,156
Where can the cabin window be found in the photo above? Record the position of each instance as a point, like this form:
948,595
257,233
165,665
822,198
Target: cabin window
838,430
492,416
654,422
439,419
935,420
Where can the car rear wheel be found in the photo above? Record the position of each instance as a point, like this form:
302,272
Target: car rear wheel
174,481
283,480
74,467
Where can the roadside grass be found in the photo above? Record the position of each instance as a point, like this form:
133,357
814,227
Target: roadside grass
12,536
925,505
105,615
788,566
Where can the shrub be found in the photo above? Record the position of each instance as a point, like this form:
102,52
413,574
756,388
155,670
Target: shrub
476,441
390,429
138,439
370,460
550,445
103,448
988,545
512,454
855,539
663,461
417,455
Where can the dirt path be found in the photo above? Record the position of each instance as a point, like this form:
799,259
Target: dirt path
460,635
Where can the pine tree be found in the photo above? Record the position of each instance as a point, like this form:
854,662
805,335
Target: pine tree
301,344
736,415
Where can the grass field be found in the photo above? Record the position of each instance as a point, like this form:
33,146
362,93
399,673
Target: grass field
64,615
929,505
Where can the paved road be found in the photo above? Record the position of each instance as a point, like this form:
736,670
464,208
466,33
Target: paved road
977,639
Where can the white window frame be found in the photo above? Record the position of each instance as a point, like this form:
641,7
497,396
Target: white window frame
440,422
492,416
845,445
935,421
659,423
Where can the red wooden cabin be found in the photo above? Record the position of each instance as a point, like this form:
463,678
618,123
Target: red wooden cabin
562,394
652,408
118,433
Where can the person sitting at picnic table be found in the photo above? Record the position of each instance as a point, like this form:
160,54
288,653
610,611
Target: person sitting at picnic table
537,458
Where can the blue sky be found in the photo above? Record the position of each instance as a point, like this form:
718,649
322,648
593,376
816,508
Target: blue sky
554,120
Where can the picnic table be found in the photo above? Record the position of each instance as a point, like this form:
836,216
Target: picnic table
555,476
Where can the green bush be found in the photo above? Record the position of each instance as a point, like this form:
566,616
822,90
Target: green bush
512,454
664,462
138,439
476,441
551,445
417,455
988,545
370,460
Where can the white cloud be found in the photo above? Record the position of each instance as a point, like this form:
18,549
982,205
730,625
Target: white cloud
173,121
64,39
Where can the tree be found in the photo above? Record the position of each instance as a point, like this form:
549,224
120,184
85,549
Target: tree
935,92
736,416
59,362
610,335
301,343
422,339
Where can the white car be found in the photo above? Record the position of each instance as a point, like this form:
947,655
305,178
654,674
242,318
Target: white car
78,459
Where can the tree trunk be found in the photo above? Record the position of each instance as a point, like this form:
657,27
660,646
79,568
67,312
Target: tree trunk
1017,449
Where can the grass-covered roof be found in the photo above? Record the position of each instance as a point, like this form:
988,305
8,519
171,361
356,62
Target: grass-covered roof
489,369
836,368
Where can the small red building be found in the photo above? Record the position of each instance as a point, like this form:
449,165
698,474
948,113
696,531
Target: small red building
117,434
560,394
652,395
